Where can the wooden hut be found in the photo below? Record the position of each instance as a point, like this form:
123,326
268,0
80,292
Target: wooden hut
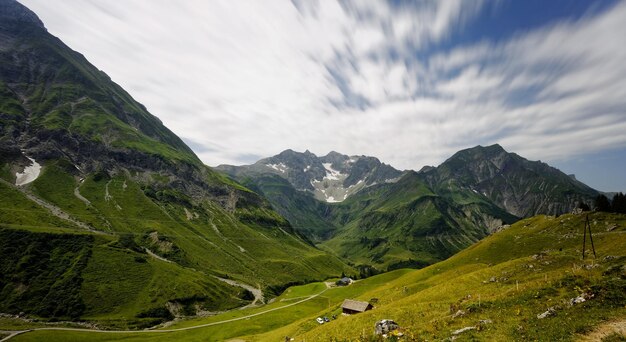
350,306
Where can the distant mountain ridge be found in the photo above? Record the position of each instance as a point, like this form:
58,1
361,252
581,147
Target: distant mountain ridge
331,178
523,188
395,218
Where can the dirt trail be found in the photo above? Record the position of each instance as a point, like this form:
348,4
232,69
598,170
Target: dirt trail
604,330
54,210
14,333
258,294
80,197
11,334
152,254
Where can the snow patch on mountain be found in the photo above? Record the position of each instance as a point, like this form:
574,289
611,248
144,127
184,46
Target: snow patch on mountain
332,174
29,174
393,180
282,168
331,189
331,178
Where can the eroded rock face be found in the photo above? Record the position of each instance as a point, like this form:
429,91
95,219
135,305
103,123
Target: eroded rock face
13,11
56,105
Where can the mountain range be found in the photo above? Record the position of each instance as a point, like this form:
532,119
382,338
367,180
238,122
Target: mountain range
106,215
374,215
105,212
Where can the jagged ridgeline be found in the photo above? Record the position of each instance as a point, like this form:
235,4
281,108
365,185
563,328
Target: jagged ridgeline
106,214
374,215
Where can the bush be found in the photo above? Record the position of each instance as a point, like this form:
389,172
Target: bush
611,292
48,269
158,312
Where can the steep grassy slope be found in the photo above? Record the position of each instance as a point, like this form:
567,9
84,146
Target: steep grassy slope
51,268
84,276
113,171
249,244
120,281
508,278
301,209
405,224
500,284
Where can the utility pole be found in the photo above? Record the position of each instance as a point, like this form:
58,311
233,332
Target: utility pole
588,227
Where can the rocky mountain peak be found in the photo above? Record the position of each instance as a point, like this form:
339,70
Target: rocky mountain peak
331,178
13,11
480,153
520,186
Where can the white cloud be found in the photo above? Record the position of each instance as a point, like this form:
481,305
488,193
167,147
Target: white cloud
249,78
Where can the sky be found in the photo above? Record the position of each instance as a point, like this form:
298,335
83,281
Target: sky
410,82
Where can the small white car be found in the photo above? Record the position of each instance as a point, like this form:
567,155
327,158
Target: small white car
320,320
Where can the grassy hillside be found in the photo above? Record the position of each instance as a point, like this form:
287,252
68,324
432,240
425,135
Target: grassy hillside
304,212
63,276
116,280
405,224
124,214
508,278
500,285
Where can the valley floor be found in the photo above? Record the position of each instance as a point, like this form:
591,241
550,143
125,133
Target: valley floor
12,333
527,282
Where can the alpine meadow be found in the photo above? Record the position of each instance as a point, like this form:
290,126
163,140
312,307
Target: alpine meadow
409,202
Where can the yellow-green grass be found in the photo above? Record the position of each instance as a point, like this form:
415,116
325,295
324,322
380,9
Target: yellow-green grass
508,278
267,318
121,281
119,205
17,210
523,286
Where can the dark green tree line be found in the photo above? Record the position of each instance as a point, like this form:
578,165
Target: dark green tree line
617,205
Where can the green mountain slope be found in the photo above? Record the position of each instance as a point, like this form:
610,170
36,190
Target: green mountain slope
405,224
304,212
506,281
138,227
523,188
496,290
417,218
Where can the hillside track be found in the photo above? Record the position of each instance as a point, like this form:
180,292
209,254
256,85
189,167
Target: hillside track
18,332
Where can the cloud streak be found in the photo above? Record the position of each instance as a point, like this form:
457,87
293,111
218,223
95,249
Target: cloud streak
250,78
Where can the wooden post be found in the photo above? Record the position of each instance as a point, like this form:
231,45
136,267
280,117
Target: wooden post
591,238
585,236
588,227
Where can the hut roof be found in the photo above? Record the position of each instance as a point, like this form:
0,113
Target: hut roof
355,305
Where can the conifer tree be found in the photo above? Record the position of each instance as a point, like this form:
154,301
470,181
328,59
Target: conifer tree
618,204
601,203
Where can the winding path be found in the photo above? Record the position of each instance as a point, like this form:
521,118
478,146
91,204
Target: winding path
258,294
15,333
